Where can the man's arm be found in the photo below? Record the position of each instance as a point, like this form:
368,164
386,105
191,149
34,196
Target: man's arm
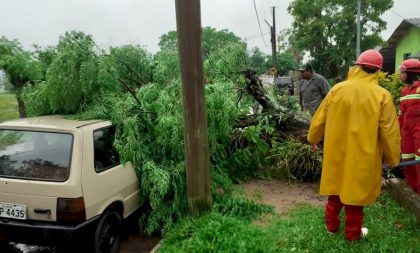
300,94
317,128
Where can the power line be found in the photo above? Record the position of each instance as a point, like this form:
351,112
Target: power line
255,36
259,25
396,13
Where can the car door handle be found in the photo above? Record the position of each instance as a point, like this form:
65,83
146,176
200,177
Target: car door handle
42,211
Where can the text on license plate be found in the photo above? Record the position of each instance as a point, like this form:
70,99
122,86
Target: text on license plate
12,211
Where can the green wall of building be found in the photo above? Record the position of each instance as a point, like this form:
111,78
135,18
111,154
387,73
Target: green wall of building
410,43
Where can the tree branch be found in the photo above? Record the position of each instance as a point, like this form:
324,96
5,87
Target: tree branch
141,81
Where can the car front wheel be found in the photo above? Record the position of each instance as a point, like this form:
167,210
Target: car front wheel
107,234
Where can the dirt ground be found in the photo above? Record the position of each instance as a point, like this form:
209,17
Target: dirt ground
282,195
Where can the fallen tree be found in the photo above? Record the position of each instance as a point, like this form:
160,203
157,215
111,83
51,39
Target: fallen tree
141,96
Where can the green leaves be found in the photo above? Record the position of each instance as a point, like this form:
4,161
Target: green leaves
72,76
327,30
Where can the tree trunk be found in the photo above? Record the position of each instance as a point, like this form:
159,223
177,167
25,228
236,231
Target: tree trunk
21,106
255,89
18,84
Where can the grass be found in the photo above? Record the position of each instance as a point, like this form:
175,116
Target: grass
8,107
391,229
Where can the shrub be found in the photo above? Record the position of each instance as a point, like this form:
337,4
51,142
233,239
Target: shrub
392,83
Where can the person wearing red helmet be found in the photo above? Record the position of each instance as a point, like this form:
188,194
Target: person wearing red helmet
359,122
409,118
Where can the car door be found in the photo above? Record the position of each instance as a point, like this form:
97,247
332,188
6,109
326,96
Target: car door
105,179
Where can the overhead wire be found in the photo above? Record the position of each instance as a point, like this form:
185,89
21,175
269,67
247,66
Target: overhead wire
256,36
396,13
259,25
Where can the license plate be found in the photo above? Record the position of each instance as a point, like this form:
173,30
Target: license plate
13,211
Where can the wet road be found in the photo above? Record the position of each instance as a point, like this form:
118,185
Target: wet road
132,243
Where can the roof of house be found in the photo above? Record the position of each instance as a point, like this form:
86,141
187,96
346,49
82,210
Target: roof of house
389,49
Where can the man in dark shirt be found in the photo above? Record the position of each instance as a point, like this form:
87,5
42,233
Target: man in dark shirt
312,89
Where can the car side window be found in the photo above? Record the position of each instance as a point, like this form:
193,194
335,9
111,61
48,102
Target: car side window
105,155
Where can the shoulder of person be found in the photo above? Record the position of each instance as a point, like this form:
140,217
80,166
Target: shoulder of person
319,76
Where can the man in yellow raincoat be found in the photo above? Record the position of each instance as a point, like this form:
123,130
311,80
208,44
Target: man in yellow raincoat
359,123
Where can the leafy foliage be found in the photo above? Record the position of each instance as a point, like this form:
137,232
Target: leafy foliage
327,30
20,67
393,84
295,161
227,64
166,66
259,61
212,40
150,135
72,76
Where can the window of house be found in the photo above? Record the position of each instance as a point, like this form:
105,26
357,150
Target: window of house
406,55
105,155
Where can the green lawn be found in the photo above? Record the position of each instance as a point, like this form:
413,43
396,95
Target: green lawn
391,229
8,106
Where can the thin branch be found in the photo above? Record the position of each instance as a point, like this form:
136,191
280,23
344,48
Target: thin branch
133,71
121,81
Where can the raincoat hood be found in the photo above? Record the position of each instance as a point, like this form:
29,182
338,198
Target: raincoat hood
356,73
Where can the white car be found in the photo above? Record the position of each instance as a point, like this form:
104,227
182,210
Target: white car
61,181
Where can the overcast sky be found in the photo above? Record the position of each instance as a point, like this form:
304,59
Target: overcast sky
117,22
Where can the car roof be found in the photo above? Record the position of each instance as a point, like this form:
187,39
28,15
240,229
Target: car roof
54,122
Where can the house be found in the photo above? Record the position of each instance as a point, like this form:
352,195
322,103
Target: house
404,43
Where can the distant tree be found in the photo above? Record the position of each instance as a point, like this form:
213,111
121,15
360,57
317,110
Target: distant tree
20,67
45,56
212,40
285,62
259,62
327,30
165,66
169,41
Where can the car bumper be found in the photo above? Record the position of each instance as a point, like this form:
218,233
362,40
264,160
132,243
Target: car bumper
39,233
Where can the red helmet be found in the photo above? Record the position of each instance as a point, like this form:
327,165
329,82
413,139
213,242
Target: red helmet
370,58
410,65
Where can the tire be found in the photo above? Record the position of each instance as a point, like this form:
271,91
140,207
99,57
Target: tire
107,234
4,247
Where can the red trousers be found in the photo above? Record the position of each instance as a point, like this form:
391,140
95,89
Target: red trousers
410,149
354,218
412,175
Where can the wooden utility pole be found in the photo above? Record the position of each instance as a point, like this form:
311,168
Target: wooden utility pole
273,42
193,97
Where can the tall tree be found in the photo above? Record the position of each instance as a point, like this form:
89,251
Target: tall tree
212,40
327,30
20,67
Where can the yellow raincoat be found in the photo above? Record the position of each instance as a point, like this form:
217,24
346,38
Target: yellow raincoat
359,121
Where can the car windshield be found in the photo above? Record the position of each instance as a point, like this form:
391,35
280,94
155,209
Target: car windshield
35,155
